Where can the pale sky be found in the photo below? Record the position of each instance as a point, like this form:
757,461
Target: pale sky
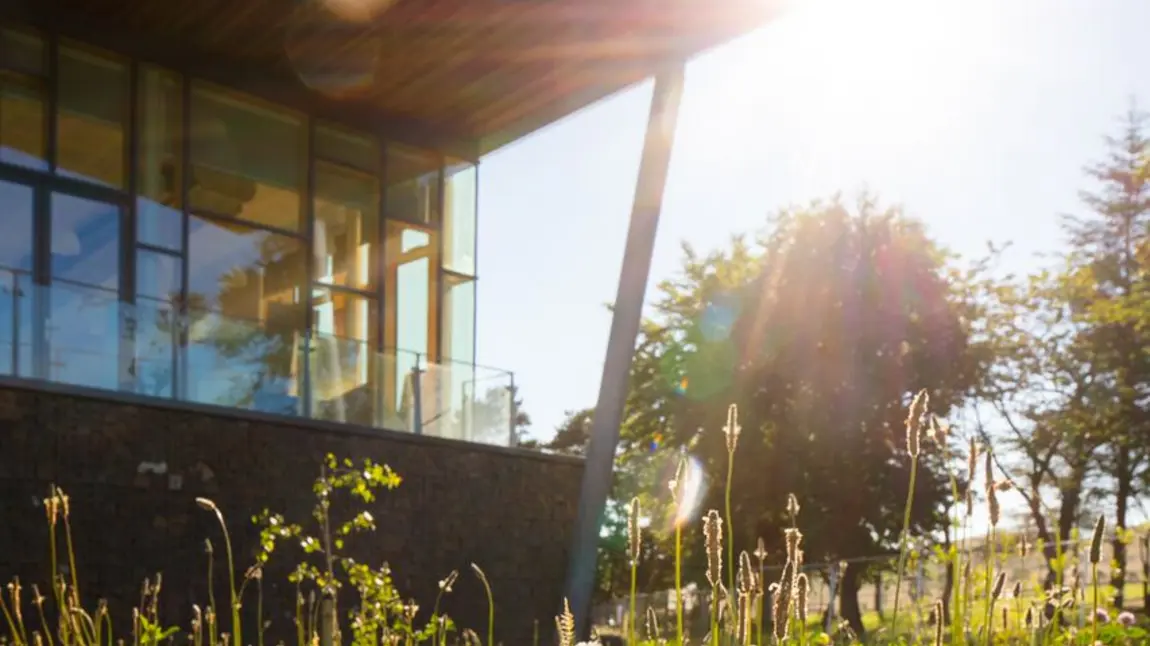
977,115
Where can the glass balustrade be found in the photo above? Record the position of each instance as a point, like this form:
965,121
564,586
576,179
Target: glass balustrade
85,336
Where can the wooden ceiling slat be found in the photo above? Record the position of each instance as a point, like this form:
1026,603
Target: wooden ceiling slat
472,66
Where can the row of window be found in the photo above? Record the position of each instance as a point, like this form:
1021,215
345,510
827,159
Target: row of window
180,195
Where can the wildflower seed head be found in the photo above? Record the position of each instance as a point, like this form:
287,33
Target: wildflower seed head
969,503
51,509
1017,592
479,573
1023,548
448,581
802,591
745,577
1004,485
792,505
999,583
732,429
972,460
565,623
988,456
1028,621
939,430
781,608
206,504
1096,540
992,506
713,535
918,408
652,624
633,531
794,538
761,551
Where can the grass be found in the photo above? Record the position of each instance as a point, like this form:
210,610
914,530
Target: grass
984,608
377,616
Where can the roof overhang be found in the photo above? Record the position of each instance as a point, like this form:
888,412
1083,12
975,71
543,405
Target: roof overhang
476,73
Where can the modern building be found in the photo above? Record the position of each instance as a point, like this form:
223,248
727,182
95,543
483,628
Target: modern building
236,235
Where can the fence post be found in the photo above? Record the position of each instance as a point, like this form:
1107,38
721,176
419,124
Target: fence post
878,594
833,578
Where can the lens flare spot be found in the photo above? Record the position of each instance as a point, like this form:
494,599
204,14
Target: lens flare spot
691,492
718,319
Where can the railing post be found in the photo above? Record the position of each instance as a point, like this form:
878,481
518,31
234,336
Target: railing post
305,379
599,465
16,304
513,437
416,397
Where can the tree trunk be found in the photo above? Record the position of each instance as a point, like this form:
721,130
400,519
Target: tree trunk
1125,484
849,608
1070,493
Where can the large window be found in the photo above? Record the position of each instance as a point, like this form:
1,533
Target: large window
246,303
172,238
83,313
345,306
248,159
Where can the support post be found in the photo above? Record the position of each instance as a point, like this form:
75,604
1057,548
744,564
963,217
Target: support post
600,459
417,397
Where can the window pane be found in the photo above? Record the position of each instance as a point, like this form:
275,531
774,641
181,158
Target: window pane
92,119
245,337
23,130
247,160
246,273
159,226
409,309
83,333
21,52
412,185
459,320
16,224
158,275
15,278
158,205
86,242
344,315
356,150
346,227
459,226
342,357
156,336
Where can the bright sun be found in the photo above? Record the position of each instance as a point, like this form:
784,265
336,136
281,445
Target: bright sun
868,75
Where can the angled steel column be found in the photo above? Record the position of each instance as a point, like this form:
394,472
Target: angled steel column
597,476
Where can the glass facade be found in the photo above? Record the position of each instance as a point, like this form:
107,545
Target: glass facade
171,238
